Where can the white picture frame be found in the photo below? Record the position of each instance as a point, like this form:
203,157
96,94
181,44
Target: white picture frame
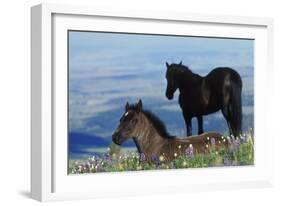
49,180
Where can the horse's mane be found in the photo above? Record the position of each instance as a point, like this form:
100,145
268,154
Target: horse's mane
182,69
157,123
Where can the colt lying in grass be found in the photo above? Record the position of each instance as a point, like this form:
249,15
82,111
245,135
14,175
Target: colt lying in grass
152,139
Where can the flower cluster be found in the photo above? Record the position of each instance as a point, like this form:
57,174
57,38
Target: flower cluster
189,151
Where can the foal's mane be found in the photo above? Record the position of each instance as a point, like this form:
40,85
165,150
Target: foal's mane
157,123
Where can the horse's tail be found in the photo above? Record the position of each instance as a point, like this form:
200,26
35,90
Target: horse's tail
236,108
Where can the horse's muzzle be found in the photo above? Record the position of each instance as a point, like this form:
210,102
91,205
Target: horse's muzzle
169,96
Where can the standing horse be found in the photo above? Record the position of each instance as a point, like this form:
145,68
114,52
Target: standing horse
219,90
152,139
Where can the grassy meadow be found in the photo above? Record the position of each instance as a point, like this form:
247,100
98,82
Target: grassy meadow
240,152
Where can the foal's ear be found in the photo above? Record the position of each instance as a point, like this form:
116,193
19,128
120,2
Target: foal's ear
180,63
139,105
167,65
127,106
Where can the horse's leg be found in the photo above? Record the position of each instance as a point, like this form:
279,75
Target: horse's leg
188,125
200,124
226,114
231,125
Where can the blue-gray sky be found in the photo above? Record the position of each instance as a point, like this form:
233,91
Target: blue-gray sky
108,69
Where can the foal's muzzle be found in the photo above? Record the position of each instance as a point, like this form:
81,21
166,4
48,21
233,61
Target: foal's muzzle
116,138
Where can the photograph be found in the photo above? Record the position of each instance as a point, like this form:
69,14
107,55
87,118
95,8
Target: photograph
139,101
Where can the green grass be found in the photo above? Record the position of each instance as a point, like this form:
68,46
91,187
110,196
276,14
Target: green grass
240,153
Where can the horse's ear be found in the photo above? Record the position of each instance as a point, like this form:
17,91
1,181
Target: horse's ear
167,65
139,105
127,106
180,63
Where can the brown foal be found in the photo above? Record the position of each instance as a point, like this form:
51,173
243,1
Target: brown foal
152,139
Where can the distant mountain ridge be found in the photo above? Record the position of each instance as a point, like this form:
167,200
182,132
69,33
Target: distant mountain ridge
79,141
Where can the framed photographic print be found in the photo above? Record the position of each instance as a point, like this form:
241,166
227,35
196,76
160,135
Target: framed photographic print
135,102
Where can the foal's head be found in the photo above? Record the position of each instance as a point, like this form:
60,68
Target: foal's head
128,123
136,123
172,73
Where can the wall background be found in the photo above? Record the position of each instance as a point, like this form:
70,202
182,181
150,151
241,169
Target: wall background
15,101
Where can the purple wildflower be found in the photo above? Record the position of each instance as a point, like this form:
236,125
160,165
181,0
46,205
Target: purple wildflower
234,145
155,159
243,139
108,158
189,151
226,161
142,157
213,141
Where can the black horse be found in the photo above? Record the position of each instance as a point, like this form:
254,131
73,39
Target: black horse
219,90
